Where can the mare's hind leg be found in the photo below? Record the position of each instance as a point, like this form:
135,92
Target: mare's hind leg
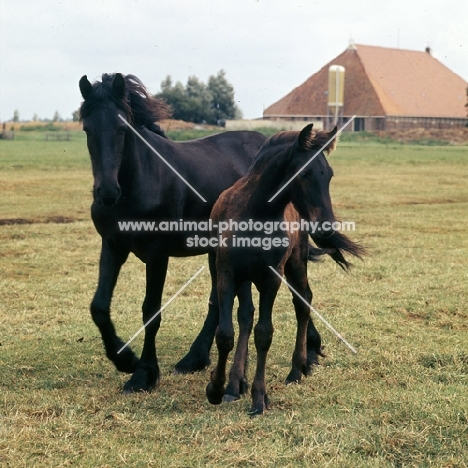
146,376
109,267
198,357
237,376
308,340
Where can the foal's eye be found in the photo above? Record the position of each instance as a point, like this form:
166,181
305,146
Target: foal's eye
304,174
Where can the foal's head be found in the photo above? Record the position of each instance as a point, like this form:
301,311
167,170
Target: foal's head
310,188
310,192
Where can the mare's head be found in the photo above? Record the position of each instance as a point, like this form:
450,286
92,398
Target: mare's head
116,95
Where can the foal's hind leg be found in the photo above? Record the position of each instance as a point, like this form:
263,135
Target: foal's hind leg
109,267
237,376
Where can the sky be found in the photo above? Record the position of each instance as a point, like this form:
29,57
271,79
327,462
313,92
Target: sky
266,47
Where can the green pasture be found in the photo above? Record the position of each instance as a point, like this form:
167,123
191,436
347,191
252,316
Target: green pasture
401,401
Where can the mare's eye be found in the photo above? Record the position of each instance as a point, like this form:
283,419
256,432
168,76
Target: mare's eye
121,130
304,174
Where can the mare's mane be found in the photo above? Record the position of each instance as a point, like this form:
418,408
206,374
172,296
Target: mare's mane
142,109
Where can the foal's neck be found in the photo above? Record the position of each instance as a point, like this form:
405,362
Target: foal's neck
266,184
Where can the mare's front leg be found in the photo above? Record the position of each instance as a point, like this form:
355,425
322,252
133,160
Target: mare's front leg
110,263
224,339
146,376
198,357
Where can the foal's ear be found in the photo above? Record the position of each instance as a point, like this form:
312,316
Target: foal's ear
118,85
305,137
332,145
86,87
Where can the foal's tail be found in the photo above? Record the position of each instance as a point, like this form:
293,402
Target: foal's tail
334,246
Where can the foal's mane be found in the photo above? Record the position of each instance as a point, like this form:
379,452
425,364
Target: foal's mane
142,109
282,142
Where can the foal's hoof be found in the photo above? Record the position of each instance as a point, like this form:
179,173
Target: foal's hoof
293,377
259,408
230,398
237,387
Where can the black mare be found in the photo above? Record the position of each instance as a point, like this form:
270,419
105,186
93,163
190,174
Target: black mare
132,183
306,197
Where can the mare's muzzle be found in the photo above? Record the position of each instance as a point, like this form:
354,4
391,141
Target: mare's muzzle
107,196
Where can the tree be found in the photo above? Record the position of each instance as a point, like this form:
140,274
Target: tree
15,116
199,103
56,117
223,105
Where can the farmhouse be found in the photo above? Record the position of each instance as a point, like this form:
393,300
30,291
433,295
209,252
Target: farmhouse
384,88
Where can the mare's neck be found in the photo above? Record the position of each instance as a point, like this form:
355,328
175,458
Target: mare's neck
136,167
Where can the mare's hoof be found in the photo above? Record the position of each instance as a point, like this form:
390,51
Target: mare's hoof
189,365
126,361
143,380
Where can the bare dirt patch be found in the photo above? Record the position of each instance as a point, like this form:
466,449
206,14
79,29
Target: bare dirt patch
48,220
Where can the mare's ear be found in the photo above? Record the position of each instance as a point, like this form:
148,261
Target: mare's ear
305,138
86,87
118,85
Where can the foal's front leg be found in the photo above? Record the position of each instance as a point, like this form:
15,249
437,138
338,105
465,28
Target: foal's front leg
263,333
238,385
147,375
308,341
224,340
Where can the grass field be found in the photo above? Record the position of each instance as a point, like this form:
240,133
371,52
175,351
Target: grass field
402,400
